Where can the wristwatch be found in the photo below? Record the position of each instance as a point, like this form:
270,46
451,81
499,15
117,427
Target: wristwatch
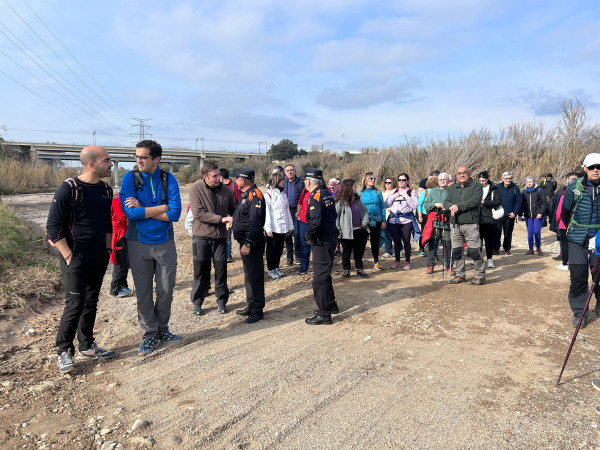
248,244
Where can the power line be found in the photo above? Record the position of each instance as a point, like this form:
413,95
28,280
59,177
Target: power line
76,60
142,126
57,55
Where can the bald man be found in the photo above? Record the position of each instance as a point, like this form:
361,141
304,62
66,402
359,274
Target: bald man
79,226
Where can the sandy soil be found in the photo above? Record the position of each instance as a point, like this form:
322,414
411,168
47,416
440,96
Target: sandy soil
411,362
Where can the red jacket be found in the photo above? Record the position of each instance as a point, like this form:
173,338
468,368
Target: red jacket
119,224
302,204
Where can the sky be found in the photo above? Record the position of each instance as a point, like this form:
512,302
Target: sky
341,74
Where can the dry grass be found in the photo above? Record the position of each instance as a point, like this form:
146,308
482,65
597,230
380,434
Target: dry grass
26,177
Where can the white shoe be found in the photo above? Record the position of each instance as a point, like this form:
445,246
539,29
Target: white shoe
490,263
562,266
472,262
387,255
272,274
279,272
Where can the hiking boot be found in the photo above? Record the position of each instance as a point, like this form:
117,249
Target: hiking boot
407,266
429,270
477,281
198,311
95,352
539,251
490,264
362,273
396,265
450,271
125,292
457,279
563,266
243,312
65,362
530,252
222,309
584,322
253,318
167,336
148,346
378,266
346,274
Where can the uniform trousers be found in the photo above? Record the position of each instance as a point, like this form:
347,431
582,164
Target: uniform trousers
254,277
322,283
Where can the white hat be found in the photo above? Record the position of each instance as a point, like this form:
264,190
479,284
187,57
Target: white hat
591,159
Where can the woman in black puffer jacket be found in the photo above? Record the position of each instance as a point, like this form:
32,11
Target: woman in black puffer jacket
533,208
489,228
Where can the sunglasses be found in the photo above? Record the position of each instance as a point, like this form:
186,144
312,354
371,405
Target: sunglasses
371,178
387,182
402,179
594,167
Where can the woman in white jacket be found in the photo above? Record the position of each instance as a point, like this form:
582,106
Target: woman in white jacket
278,223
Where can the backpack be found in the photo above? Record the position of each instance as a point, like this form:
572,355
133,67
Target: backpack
77,199
138,182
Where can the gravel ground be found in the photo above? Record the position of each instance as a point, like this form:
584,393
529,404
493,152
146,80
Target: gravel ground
410,362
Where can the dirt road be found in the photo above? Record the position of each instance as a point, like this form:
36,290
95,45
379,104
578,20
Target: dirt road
410,362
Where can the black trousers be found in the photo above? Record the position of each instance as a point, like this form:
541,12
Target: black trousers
274,250
374,237
490,236
82,279
119,272
561,235
254,277
580,262
292,242
203,251
508,225
322,283
356,245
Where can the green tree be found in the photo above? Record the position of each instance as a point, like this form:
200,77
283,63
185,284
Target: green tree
285,149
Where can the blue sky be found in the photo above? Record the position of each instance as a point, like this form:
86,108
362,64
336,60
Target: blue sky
345,74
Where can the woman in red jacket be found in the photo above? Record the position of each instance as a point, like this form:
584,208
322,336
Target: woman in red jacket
118,257
304,247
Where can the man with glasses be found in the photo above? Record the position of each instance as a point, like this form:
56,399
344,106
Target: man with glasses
463,201
151,202
580,212
511,203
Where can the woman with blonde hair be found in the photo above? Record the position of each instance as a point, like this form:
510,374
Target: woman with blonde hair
372,198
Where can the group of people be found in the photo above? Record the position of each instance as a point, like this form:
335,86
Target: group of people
457,213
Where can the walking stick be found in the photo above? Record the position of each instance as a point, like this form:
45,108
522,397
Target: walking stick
587,302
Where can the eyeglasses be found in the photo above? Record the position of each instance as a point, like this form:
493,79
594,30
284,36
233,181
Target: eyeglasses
143,158
508,178
594,167
402,179
387,182
371,178
442,179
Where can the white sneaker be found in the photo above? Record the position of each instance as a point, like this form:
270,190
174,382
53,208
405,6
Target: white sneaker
562,266
472,262
490,263
279,272
272,274
387,255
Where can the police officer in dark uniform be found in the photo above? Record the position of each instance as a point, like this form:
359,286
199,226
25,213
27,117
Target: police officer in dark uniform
248,223
321,232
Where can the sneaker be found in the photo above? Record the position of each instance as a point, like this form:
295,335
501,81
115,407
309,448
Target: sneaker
495,252
273,275
422,253
557,257
457,279
539,251
529,252
396,265
387,255
95,352
429,270
167,336
345,274
477,281
229,259
584,322
407,266
596,384
491,264
65,362
198,311
280,273
362,273
472,262
125,292
222,309
563,266
148,346
450,271
378,266
506,252
302,271
289,263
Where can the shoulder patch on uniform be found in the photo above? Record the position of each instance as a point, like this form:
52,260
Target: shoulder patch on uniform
312,207
250,196
258,193
317,196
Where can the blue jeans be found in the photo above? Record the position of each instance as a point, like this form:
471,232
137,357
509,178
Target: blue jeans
534,231
389,247
293,243
304,247
229,243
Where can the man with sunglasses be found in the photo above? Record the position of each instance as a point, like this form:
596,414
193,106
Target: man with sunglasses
464,203
511,203
151,202
580,213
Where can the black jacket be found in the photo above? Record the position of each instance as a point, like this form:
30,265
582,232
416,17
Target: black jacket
533,203
492,200
320,216
249,217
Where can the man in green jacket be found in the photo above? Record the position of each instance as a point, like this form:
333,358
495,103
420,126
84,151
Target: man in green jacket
464,203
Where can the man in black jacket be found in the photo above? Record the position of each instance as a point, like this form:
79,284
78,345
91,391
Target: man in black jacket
322,233
248,223
80,227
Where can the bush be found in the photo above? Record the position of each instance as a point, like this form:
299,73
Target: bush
25,177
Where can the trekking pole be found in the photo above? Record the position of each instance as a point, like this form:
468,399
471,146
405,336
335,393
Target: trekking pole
587,302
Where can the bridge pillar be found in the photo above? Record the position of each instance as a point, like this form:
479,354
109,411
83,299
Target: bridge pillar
116,173
199,162
171,167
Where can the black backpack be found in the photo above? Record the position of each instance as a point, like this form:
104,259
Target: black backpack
138,182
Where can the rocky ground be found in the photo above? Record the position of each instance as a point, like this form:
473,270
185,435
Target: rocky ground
410,362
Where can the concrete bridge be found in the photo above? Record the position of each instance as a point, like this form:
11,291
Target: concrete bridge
126,154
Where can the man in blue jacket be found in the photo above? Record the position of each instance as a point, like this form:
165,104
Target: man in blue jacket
511,203
151,202
293,186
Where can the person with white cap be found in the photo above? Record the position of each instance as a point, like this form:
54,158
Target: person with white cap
581,214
